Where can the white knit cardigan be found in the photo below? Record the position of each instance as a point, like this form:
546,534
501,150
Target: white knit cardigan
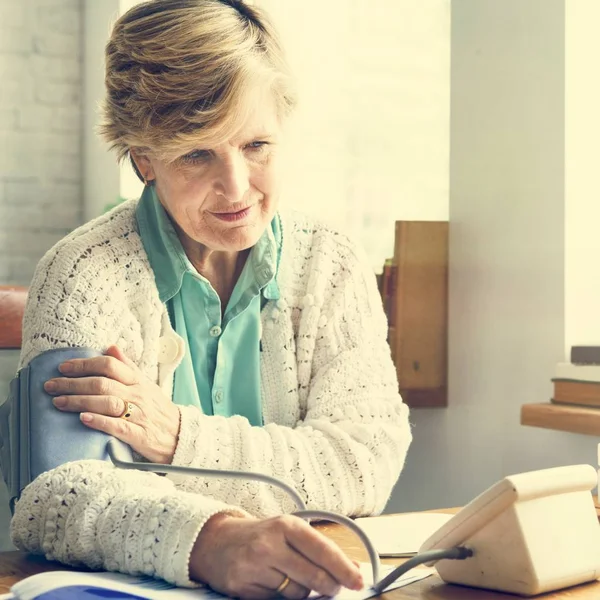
335,426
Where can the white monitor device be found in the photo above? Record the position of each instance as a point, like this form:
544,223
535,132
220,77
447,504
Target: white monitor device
530,533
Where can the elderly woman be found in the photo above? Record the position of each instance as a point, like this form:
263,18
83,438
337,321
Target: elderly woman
234,335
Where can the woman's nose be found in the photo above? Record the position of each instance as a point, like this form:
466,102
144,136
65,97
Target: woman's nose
233,178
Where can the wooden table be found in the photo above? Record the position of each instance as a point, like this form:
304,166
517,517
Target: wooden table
15,566
433,588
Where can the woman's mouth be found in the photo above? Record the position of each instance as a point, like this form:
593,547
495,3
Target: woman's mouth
233,216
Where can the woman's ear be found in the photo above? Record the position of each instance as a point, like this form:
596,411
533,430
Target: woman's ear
142,166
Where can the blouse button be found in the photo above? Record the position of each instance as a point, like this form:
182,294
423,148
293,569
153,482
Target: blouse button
168,349
215,331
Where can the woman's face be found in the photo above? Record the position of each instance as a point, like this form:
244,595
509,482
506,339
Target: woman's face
223,197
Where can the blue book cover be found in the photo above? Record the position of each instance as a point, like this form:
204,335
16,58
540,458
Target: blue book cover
67,585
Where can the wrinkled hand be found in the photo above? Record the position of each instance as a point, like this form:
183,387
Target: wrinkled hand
251,558
100,388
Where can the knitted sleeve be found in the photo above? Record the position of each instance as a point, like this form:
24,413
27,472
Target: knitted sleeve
89,513
346,452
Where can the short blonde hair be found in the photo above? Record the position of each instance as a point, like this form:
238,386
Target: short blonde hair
179,74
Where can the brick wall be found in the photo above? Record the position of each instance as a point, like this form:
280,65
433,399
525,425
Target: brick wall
40,146
40,130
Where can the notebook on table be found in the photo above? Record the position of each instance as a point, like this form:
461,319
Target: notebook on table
69,585
398,536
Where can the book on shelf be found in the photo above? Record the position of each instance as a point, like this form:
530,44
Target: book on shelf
583,393
379,279
573,372
391,344
390,301
388,290
385,279
576,384
585,355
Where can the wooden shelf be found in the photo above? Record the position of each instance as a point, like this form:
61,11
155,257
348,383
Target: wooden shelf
575,419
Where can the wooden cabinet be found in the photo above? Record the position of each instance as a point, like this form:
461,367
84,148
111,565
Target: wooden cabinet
419,312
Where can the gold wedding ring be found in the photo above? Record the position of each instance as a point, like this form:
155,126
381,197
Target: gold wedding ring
126,411
283,585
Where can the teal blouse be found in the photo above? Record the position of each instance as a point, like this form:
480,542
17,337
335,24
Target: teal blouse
220,372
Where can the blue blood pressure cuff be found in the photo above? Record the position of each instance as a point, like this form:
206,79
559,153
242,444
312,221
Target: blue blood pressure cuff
35,436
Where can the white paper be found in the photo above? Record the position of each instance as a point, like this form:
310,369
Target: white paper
401,535
148,587
412,576
157,589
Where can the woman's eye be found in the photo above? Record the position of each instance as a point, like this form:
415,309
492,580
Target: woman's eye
196,156
258,145
201,156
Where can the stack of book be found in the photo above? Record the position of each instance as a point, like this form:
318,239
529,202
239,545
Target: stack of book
387,288
578,382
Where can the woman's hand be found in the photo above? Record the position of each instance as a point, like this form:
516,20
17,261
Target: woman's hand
105,389
252,558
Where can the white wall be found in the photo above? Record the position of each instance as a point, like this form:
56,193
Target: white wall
370,140
105,180
101,174
507,255
582,184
